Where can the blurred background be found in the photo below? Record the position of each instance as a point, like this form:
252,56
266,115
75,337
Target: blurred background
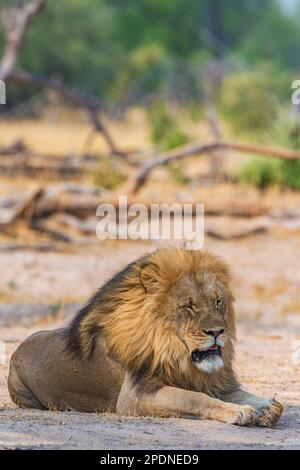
95,90
98,90
185,101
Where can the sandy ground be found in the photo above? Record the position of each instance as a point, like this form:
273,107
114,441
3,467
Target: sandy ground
267,279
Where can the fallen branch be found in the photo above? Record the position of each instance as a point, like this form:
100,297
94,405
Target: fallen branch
14,149
24,211
32,169
19,150
43,247
199,149
54,233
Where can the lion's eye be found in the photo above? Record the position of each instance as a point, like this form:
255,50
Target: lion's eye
190,308
219,303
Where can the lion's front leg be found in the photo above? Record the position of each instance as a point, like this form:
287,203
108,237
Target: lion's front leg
172,401
269,409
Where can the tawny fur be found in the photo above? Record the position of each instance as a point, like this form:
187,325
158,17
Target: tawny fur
145,322
138,322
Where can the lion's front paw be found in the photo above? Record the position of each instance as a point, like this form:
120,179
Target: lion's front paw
240,415
270,414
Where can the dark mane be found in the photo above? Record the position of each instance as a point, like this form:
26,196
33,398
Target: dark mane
101,301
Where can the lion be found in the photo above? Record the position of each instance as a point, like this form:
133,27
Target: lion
157,339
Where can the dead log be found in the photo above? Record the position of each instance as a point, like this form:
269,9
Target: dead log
53,232
199,149
32,169
41,247
67,228
80,205
14,149
19,150
23,211
74,199
228,228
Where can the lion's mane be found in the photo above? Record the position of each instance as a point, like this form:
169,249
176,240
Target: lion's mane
131,311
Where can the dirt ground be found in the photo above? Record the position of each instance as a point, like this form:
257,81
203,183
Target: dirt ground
267,279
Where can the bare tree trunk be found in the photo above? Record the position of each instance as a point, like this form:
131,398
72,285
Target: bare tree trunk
15,22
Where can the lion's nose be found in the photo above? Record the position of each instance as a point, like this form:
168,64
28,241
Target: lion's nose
214,333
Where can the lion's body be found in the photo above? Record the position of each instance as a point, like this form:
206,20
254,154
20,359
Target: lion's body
164,328
44,375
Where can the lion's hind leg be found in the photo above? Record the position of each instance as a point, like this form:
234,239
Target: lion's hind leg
19,393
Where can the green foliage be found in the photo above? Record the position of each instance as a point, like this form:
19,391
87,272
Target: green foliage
291,174
287,133
265,172
165,129
249,101
126,51
106,176
274,38
261,172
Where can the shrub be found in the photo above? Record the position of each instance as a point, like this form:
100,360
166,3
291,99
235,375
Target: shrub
291,174
286,133
264,172
261,172
106,176
164,127
248,101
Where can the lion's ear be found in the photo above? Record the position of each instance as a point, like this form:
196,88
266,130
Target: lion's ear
150,277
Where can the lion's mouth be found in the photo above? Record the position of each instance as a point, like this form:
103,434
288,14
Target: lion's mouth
198,356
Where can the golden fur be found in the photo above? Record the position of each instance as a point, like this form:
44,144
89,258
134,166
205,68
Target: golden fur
138,322
146,322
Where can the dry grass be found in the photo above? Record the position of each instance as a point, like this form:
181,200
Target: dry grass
60,132
291,306
270,292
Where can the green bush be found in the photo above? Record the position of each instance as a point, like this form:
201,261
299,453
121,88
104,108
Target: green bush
286,133
165,130
264,172
248,101
106,176
261,172
291,174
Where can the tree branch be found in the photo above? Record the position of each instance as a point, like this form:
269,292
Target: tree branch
90,103
15,21
198,149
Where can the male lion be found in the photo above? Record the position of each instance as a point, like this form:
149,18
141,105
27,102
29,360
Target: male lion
157,339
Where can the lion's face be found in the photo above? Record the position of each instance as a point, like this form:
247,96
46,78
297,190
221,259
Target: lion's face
198,306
